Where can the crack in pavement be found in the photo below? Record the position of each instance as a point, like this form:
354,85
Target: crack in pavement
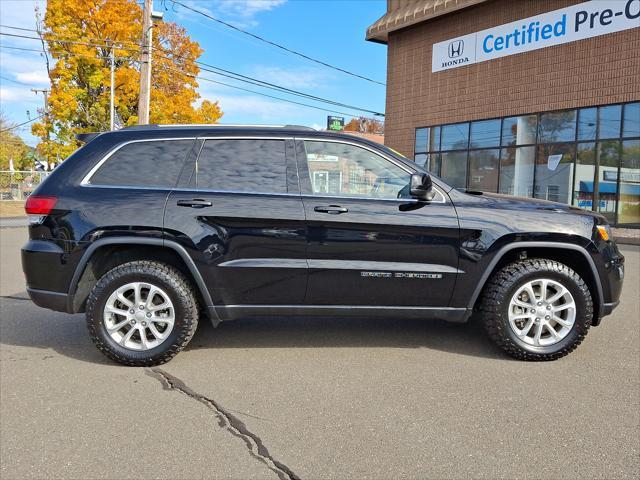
232,424
13,297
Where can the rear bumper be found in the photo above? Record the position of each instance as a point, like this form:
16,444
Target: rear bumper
46,268
46,299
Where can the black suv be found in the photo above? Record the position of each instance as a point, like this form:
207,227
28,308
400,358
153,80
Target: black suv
148,229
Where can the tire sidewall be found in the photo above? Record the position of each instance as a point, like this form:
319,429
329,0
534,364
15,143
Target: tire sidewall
104,291
582,320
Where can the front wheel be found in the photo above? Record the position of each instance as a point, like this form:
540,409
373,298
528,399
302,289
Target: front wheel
537,309
142,313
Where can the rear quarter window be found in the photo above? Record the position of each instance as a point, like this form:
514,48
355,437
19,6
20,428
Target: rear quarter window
257,165
144,164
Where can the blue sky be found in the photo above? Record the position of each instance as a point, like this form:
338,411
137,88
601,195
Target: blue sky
329,30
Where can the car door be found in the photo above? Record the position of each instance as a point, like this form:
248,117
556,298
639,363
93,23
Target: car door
239,214
369,244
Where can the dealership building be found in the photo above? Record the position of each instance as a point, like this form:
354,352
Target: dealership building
537,98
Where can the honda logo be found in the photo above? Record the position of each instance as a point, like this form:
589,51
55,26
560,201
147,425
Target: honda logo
456,48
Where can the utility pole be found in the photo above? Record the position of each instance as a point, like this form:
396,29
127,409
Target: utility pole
45,94
145,65
112,107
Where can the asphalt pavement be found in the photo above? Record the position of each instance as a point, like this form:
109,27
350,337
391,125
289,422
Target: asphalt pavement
315,399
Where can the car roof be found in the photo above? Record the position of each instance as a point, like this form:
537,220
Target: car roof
138,132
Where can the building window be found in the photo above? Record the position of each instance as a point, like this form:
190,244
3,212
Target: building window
455,137
519,130
483,169
589,157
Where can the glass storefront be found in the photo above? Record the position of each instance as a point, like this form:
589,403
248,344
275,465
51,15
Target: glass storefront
588,157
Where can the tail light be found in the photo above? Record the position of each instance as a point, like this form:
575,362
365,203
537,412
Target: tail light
39,205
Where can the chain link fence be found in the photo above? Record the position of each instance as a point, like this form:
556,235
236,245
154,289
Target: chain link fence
17,186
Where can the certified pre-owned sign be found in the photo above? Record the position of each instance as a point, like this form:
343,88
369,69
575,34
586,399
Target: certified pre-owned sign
584,20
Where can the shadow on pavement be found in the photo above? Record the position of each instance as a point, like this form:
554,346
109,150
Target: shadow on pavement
24,324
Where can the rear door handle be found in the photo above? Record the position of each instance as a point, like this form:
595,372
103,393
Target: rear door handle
194,203
331,209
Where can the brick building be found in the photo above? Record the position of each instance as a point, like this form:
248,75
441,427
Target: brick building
537,98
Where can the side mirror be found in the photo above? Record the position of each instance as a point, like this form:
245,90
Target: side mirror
422,187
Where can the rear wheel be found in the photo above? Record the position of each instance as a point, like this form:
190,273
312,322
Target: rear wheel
537,309
142,313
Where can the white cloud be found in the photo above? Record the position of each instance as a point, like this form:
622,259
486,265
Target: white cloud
36,77
291,78
13,94
248,8
241,13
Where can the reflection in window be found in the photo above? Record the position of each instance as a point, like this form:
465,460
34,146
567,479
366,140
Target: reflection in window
485,134
454,168
483,170
144,164
242,166
339,169
583,191
519,130
554,172
629,204
587,121
434,163
455,137
631,120
608,160
420,159
430,162
516,171
427,139
421,139
609,121
557,127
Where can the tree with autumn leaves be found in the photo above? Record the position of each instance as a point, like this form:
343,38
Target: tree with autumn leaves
79,35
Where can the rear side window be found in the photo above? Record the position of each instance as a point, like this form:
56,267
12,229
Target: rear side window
144,164
243,166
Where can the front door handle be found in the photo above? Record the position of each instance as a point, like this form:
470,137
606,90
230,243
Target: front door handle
194,203
331,209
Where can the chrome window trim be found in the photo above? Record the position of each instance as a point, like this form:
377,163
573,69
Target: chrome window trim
233,192
86,180
403,200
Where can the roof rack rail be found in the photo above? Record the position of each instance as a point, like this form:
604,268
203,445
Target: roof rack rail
214,125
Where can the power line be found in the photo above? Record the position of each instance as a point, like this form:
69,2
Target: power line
231,75
23,123
259,93
72,42
14,81
23,49
274,44
228,74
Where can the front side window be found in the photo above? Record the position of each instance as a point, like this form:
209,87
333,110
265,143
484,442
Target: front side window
241,165
144,164
343,170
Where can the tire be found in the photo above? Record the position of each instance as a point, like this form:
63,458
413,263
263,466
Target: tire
134,279
503,288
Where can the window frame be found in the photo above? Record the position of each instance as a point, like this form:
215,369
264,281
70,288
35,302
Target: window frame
306,189
86,180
